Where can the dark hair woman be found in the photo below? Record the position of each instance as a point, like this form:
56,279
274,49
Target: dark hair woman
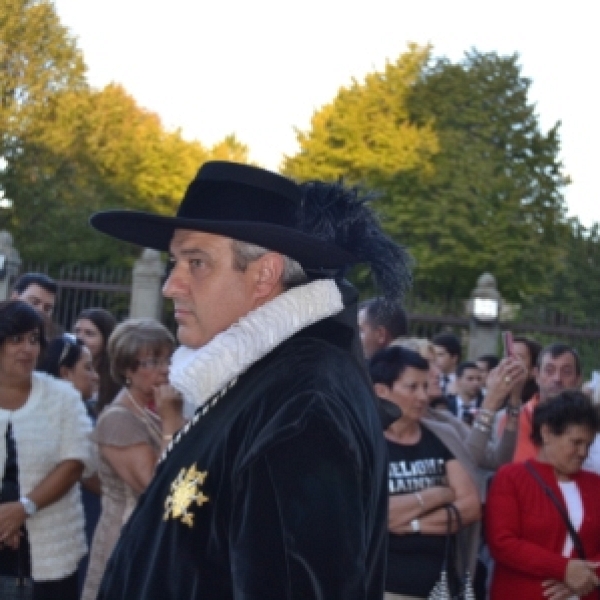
44,431
68,358
94,326
530,504
424,476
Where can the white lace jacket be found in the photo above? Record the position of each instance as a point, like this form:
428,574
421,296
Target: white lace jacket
51,427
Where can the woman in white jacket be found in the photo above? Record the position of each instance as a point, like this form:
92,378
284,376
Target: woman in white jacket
44,448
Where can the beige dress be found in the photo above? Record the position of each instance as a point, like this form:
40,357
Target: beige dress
121,427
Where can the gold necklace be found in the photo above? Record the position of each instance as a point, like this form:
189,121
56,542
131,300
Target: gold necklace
153,429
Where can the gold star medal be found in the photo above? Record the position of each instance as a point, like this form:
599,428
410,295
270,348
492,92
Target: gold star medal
185,490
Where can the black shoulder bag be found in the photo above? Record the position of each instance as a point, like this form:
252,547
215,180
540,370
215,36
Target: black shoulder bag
464,586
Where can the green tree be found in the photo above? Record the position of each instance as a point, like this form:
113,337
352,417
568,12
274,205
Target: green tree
575,298
38,58
494,198
366,132
94,150
484,191
230,148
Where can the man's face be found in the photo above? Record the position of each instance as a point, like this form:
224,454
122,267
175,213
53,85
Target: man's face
371,338
208,294
557,374
38,297
483,371
469,384
444,360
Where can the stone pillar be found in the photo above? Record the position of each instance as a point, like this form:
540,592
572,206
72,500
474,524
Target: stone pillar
10,264
146,297
484,313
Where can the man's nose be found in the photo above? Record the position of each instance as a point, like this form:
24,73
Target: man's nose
557,379
174,284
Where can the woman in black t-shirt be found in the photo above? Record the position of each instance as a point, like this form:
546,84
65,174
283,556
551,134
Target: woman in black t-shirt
423,478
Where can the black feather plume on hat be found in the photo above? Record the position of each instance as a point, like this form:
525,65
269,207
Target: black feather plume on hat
335,213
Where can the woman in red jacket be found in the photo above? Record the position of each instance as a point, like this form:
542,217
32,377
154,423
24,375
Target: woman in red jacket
536,556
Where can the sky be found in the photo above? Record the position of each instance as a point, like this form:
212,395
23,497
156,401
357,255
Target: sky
261,68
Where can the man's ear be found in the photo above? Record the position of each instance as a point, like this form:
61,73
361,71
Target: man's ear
381,390
268,273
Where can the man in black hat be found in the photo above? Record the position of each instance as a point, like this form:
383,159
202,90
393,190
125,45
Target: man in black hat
277,487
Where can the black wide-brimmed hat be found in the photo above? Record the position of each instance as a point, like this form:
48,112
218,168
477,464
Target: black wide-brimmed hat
238,201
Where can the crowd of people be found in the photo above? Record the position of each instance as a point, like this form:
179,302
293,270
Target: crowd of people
83,418
329,454
523,430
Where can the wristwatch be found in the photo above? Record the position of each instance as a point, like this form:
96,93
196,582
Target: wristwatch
415,525
29,506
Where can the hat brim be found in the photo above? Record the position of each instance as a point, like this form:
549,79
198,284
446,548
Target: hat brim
156,231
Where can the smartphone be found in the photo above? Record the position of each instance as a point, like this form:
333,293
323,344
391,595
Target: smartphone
507,339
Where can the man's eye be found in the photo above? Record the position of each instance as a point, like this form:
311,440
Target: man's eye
195,263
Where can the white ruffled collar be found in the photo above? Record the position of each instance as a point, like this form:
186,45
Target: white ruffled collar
201,373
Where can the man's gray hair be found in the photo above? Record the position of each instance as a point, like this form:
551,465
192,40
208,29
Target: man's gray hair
244,253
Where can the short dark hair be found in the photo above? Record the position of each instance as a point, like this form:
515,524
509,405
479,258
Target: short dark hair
40,279
558,349
534,348
468,364
491,361
449,342
569,407
17,317
388,364
63,351
391,316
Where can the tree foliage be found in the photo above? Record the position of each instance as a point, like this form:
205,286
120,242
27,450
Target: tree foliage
96,150
69,150
484,188
38,58
366,132
575,297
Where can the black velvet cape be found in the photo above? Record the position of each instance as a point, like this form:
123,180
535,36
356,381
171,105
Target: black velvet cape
293,495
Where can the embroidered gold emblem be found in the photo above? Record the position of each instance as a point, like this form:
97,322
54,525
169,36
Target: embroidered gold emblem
185,490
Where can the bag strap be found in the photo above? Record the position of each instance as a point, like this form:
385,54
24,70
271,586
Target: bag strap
447,549
461,543
577,543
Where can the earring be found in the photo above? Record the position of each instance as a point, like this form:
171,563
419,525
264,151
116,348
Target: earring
127,382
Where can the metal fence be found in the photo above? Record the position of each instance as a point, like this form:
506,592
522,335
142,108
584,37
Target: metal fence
585,340
81,286
84,286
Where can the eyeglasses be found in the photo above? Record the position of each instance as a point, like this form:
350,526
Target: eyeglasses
154,363
70,342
